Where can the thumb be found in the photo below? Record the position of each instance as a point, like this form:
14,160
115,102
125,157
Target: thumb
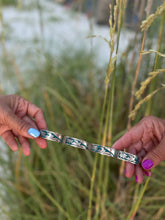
155,156
20,126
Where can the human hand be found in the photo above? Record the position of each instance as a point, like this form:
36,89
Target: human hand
20,119
147,140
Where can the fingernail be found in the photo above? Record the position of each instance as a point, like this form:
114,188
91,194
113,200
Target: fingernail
147,164
146,173
33,132
136,178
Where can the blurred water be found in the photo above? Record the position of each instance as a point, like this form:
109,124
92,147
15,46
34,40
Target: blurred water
30,32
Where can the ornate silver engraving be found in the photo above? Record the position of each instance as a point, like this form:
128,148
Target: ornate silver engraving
75,142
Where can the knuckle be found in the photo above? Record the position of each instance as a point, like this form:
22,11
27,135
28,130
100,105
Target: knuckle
148,118
10,141
5,116
8,138
21,126
145,118
16,96
40,112
157,155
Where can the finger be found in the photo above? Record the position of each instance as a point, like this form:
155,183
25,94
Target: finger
129,167
155,156
139,174
130,137
37,114
148,146
30,121
25,145
9,138
20,126
141,154
147,173
42,143
24,107
138,146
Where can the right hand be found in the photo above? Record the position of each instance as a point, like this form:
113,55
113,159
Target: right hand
21,120
147,140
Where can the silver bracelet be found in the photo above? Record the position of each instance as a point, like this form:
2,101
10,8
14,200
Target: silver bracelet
74,142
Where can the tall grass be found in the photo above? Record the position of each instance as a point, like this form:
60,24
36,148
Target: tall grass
61,182
8,2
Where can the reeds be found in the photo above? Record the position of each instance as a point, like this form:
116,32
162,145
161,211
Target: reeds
150,19
66,183
106,137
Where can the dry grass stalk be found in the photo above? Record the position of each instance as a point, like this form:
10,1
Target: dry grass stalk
19,4
99,36
49,105
145,83
112,24
111,67
135,80
133,113
2,34
148,8
18,74
1,90
159,214
156,63
147,23
153,51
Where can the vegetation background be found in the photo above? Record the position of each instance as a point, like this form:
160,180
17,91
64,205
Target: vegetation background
89,102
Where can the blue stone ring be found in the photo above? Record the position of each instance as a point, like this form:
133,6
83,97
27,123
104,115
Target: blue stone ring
74,142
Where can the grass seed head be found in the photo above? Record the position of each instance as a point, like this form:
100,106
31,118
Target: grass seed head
147,23
133,113
145,83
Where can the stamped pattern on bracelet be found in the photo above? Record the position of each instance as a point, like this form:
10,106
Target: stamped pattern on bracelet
78,143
